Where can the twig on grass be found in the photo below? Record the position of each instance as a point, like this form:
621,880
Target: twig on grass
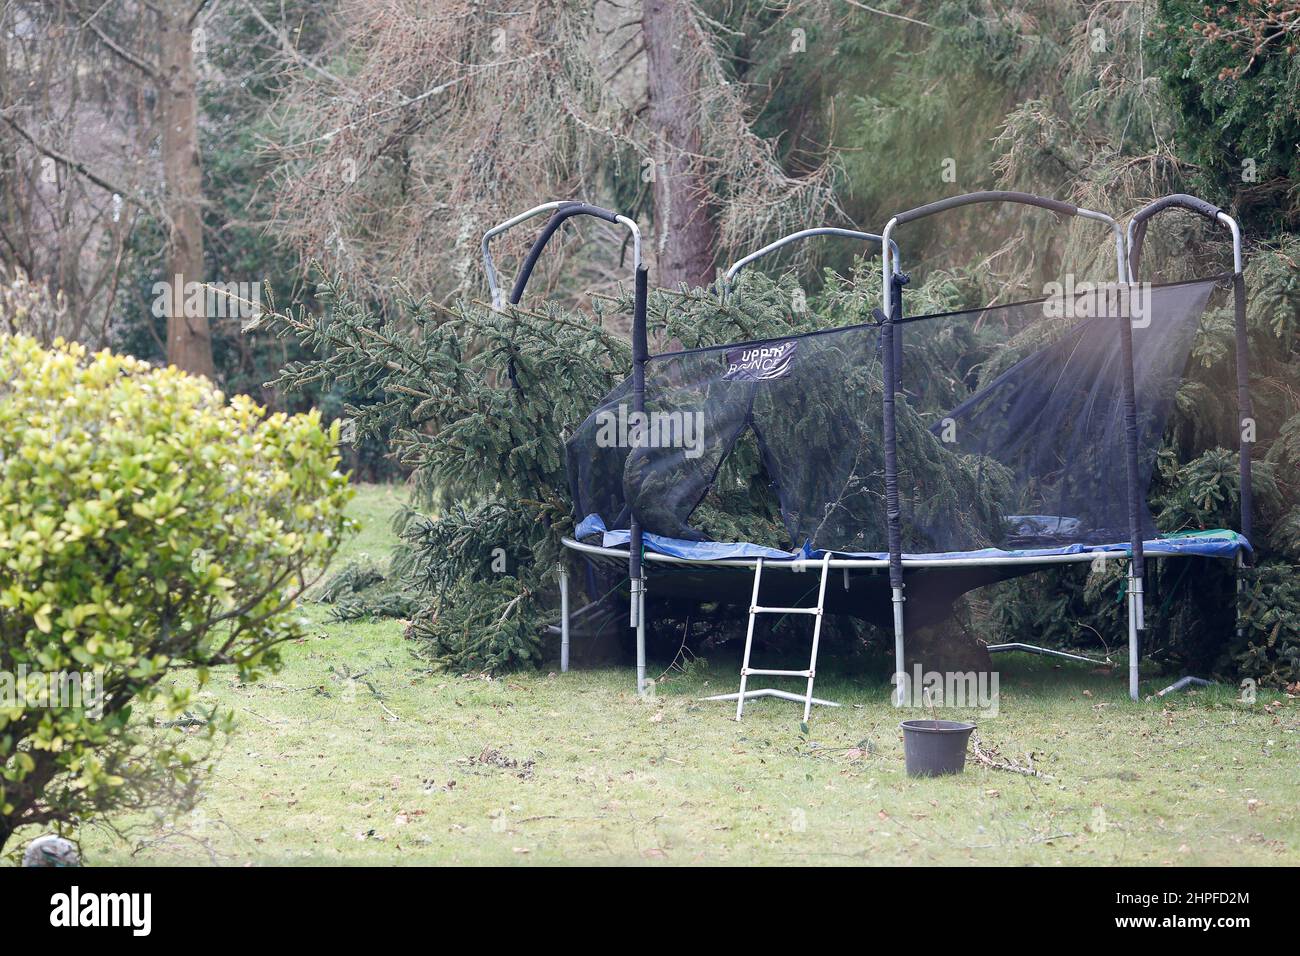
995,761
273,723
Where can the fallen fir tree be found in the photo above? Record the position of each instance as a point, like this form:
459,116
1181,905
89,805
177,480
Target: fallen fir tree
479,404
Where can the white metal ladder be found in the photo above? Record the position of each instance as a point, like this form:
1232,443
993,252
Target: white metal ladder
745,670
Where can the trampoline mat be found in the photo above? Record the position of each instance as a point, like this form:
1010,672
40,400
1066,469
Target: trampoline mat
792,577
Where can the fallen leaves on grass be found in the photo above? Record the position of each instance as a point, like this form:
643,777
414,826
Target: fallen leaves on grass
491,757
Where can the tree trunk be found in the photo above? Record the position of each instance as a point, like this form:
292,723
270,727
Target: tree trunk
685,233
189,337
946,647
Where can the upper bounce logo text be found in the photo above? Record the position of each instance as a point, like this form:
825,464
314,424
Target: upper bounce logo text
760,363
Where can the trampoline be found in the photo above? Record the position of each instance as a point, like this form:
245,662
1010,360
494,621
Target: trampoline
1051,458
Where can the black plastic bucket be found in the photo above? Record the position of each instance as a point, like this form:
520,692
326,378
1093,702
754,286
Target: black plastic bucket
935,747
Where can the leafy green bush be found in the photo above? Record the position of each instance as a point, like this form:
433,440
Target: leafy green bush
145,525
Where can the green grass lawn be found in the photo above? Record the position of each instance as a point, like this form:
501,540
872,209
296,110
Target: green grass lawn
357,753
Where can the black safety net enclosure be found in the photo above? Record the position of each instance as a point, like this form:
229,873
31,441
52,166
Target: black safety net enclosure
1052,425
1036,457
917,457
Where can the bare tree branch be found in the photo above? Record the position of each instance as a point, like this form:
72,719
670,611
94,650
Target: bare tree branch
81,169
140,63
886,13
290,50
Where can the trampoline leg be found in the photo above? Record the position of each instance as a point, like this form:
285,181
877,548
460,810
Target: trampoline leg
1134,601
900,676
564,620
638,611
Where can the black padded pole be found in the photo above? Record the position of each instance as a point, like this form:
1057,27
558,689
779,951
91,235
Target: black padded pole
640,353
566,211
1131,443
896,329
1243,401
893,511
1137,566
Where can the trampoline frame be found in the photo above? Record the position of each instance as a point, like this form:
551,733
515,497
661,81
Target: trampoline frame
561,209
876,564
1128,245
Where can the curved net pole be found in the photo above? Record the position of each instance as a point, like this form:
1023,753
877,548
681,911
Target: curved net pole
489,266
891,308
771,247
1137,229
563,209
560,211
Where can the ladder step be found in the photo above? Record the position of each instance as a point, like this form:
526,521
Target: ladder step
746,671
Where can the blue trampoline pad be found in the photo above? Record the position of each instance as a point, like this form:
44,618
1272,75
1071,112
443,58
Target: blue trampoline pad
1216,543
